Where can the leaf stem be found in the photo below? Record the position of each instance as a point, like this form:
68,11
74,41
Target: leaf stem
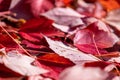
98,52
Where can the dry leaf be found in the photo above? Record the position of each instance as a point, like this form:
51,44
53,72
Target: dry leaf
21,64
73,54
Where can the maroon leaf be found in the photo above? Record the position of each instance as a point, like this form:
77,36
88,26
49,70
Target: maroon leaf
6,72
30,8
4,6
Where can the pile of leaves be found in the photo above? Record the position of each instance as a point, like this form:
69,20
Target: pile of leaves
59,40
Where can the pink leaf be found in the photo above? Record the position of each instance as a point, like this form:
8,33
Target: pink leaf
113,18
87,9
96,35
40,6
38,77
83,73
116,78
63,20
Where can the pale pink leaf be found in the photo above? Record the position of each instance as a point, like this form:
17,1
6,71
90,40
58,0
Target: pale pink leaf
116,78
38,77
73,54
115,59
83,73
64,16
113,18
88,9
21,64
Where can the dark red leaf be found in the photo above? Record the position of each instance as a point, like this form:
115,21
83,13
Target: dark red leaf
6,72
4,5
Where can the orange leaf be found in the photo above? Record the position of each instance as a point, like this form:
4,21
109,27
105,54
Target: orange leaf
110,5
56,59
67,1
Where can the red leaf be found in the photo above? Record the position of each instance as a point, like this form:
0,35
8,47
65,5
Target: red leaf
55,59
7,42
33,29
100,64
11,78
30,45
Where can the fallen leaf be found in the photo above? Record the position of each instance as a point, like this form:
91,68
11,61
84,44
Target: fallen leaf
33,29
12,78
96,36
112,18
30,8
7,42
107,4
73,54
4,6
83,73
55,59
116,78
38,77
62,17
21,64
90,9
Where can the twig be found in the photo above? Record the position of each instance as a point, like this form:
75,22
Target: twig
16,42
